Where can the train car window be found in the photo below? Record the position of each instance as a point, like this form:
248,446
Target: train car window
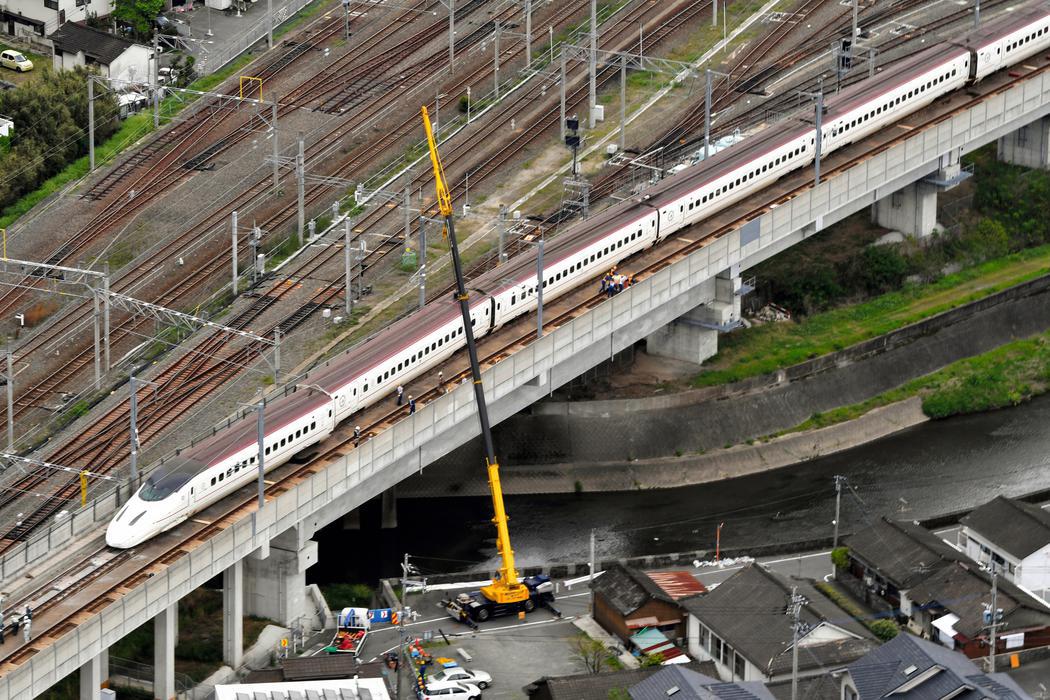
221,476
313,425
213,481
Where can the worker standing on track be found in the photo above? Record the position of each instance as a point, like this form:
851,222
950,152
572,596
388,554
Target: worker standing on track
27,624
400,394
411,405
357,435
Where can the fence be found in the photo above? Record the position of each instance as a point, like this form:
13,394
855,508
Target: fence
132,674
210,62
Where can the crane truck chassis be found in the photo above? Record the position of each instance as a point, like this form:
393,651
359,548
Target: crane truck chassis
474,607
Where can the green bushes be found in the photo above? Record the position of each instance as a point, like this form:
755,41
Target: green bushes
840,557
50,116
882,628
347,595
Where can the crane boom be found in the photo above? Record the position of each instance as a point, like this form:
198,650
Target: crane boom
508,588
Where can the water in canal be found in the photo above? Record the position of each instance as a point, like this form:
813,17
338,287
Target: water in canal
934,468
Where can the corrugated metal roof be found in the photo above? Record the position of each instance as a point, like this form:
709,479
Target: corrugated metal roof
677,584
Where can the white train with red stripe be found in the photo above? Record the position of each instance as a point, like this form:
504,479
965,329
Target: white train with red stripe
225,462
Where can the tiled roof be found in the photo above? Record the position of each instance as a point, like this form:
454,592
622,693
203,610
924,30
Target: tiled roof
590,686
101,46
933,671
1016,527
694,686
748,611
963,589
903,552
628,589
822,687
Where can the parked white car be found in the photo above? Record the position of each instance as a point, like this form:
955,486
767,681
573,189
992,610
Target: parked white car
450,690
463,675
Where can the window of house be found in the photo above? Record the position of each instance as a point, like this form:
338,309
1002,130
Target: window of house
739,666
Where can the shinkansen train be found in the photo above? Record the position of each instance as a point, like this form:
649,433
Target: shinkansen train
219,465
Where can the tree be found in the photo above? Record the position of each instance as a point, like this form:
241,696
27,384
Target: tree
138,14
884,629
840,557
591,653
50,116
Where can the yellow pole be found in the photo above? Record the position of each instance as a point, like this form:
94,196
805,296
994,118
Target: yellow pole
83,487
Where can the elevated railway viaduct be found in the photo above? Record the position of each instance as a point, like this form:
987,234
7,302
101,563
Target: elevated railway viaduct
263,553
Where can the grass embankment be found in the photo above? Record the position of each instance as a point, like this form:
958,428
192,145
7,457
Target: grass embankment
768,348
1003,377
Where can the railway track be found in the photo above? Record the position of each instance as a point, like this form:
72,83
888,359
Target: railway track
103,447
152,558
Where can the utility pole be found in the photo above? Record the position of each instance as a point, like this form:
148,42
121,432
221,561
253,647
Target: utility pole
134,460
796,609
561,88
495,58
269,29
623,101
348,305
590,568
817,138
993,618
261,437
976,14
501,255
853,36
276,151
408,209
539,291
233,240
91,124
707,113
300,177
714,13
528,32
346,20
838,504
594,62
452,37
156,80
276,353
422,262
401,625
10,403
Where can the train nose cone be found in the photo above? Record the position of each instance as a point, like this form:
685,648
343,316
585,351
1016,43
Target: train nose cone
120,536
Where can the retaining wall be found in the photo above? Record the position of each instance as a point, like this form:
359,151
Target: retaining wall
553,443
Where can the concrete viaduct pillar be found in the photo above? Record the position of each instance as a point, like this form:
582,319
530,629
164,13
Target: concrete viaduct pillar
389,520
912,210
164,637
693,337
275,578
233,615
1028,146
94,675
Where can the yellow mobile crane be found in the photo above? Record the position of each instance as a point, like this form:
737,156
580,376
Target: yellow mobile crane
507,594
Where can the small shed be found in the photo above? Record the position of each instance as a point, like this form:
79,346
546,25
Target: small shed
627,600
115,57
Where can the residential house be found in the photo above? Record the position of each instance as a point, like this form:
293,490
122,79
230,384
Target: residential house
950,605
743,626
890,557
1015,536
678,683
113,56
910,668
38,18
598,686
627,600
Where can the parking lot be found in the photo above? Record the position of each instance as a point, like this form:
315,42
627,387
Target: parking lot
515,652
